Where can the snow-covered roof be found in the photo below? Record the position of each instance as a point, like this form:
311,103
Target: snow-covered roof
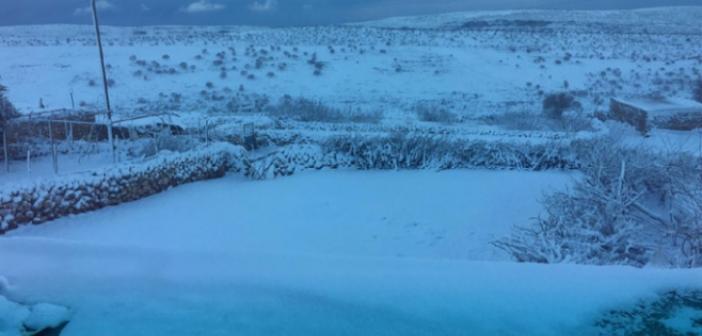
663,106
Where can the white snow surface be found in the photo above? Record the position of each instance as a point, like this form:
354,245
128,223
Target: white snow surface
422,214
343,253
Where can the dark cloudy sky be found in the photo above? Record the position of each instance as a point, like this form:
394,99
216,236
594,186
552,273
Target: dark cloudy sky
275,12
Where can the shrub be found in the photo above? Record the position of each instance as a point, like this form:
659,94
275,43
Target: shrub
519,121
556,104
402,149
525,121
434,113
303,109
630,207
7,110
372,117
306,110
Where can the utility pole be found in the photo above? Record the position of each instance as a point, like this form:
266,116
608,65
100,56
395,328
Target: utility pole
104,82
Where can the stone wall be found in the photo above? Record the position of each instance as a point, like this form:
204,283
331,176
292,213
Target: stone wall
52,199
43,202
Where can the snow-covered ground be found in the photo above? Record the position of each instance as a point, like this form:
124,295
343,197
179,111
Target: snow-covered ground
342,252
346,253
414,214
137,291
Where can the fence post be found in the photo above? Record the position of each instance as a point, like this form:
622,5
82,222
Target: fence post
4,149
253,136
69,134
29,160
54,156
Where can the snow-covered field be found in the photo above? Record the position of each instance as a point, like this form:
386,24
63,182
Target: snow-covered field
414,214
344,253
473,64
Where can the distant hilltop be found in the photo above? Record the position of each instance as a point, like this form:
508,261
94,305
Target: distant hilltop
683,17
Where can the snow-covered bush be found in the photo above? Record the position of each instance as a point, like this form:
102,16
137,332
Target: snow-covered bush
303,109
306,110
524,121
521,121
362,117
434,113
292,159
556,104
630,207
402,150
166,137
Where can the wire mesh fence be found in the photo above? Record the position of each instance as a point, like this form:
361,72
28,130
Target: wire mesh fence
61,136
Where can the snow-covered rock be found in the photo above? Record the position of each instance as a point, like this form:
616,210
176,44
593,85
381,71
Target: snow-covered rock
12,315
45,315
20,320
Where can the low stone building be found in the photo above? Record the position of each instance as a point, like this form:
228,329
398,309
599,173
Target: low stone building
647,113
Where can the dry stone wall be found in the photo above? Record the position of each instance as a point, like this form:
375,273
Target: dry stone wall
43,202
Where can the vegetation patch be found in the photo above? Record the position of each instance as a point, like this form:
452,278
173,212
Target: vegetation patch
631,207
